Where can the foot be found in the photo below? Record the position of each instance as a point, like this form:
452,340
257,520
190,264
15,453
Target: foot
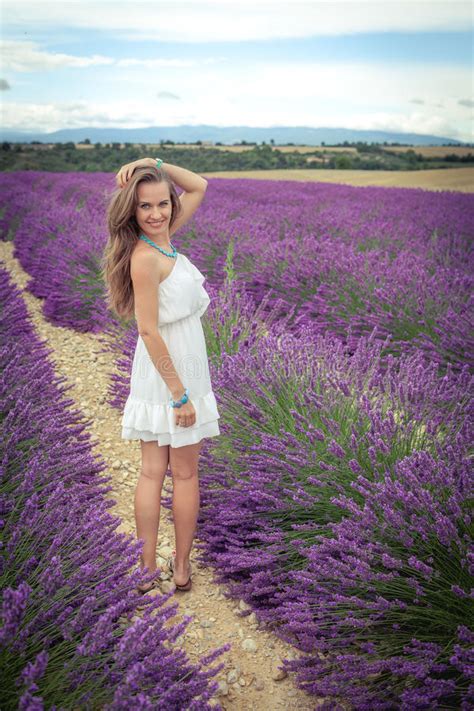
181,575
147,586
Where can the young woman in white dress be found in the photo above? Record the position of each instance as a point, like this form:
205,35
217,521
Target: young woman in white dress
158,213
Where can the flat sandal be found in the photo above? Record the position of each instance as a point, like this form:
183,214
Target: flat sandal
188,584
154,585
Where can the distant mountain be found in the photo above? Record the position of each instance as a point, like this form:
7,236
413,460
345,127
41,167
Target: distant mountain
228,135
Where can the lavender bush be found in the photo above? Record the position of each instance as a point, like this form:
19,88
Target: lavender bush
385,605
70,636
320,446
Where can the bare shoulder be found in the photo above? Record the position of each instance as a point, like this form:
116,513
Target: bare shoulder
144,266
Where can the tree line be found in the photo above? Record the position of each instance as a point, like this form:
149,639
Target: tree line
98,157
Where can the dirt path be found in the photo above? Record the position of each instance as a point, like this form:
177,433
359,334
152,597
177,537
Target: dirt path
249,680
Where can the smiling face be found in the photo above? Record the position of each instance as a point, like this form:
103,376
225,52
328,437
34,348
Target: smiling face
154,209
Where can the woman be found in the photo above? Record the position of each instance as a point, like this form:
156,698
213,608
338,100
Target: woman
171,405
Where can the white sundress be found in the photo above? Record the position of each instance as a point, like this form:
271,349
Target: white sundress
147,414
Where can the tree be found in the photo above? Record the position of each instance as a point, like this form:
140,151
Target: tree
343,162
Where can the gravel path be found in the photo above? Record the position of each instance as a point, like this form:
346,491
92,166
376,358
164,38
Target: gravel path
251,679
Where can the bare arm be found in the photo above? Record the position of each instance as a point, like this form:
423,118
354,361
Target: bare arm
186,179
145,278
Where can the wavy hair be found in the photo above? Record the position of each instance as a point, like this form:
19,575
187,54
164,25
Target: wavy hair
123,234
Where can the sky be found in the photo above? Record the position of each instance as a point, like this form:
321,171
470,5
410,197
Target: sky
397,65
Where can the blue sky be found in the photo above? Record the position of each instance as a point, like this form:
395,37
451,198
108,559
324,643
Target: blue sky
401,65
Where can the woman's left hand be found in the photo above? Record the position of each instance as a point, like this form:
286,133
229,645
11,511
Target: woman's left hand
126,171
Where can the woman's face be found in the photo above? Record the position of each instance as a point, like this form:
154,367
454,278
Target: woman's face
154,207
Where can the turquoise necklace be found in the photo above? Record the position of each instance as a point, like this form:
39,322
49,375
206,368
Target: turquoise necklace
173,254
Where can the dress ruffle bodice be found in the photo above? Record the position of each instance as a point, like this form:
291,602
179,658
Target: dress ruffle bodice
182,293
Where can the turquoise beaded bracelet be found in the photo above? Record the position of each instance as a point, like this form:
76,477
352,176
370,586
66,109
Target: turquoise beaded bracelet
158,162
183,401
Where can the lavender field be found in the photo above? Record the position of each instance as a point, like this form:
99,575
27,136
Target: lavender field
337,501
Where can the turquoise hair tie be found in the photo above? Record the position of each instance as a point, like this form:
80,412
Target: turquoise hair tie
158,162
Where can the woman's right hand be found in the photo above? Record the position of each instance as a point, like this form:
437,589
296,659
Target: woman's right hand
185,415
126,171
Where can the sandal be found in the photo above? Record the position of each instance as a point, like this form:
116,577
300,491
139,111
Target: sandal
188,584
154,584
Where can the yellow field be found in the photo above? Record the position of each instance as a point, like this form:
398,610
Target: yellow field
458,179
433,151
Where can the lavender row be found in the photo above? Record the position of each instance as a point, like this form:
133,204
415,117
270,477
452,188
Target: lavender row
70,634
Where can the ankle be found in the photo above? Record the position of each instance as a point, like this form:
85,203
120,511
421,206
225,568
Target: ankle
151,568
181,566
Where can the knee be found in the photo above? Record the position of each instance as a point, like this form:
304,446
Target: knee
183,473
153,472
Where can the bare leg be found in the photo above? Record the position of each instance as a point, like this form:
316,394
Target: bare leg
184,470
148,500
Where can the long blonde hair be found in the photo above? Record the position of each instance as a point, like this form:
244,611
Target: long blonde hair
123,231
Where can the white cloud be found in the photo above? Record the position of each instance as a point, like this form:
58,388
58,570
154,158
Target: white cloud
362,83
28,56
51,117
25,56
239,20
414,122
155,63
